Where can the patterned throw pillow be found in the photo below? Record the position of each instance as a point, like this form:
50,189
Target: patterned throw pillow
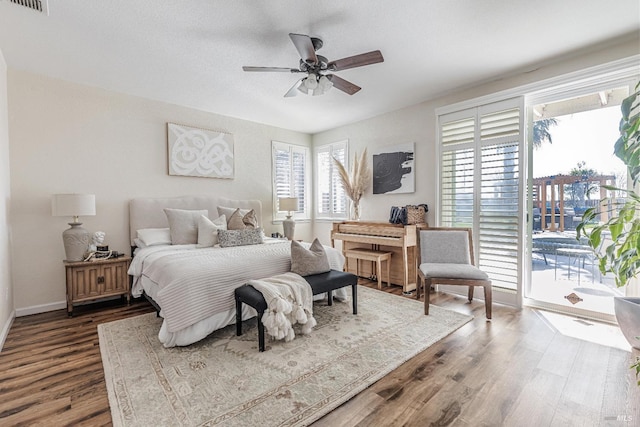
248,236
306,262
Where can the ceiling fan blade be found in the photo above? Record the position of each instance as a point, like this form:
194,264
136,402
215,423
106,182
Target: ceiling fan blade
294,89
363,59
272,69
305,48
345,86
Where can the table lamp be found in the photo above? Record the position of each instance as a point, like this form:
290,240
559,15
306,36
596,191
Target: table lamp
76,239
288,204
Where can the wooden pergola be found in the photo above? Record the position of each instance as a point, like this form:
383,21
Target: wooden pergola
554,186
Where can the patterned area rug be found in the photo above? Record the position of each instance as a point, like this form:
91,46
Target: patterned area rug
224,380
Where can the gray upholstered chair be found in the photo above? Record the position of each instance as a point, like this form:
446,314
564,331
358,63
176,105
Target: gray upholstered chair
445,257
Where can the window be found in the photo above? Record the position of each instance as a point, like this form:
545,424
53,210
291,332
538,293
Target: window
331,200
480,183
290,165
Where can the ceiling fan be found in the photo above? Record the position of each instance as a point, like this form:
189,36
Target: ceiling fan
318,68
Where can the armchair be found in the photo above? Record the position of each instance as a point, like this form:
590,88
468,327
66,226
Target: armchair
445,257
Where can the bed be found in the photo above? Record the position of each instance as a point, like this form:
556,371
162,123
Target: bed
193,286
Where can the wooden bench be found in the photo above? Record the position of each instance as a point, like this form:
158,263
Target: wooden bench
320,284
370,255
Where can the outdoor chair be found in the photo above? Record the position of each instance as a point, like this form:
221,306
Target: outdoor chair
445,257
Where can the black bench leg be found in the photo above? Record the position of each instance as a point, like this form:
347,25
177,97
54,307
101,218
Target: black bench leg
330,297
354,297
260,331
238,317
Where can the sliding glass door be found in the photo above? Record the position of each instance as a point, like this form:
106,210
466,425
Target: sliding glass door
571,152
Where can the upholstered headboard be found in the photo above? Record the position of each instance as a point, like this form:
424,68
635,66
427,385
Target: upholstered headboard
147,212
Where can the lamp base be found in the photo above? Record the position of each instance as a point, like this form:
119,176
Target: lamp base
289,227
76,241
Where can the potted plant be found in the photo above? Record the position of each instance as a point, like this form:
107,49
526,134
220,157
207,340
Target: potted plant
620,253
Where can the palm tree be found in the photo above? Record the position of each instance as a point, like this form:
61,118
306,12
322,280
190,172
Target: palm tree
541,131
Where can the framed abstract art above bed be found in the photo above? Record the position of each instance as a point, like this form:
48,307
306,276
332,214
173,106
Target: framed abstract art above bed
199,152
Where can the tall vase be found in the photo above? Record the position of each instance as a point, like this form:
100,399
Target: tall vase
355,211
628,315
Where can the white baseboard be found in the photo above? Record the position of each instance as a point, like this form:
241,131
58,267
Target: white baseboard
43,308
5,330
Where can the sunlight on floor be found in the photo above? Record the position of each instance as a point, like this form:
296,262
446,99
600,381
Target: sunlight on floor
586,330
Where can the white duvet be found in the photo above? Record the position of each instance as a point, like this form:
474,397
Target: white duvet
194,287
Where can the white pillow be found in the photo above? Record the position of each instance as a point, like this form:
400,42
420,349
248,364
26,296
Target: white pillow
154,236
208,230
183,225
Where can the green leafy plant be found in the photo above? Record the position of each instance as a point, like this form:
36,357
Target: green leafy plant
621,254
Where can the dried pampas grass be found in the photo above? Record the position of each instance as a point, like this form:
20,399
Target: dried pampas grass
356,183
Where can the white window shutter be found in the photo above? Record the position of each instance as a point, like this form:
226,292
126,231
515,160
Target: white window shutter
290,164
331,200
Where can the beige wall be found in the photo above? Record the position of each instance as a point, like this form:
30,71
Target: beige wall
70,138
66,137
6,295
418,124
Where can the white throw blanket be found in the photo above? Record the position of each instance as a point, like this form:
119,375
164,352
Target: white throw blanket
289,301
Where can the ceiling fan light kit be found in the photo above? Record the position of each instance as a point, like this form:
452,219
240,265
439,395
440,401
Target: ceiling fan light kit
319,80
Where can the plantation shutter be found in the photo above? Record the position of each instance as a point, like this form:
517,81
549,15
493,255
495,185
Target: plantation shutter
498,235
480,184
457,165
331,200
290,177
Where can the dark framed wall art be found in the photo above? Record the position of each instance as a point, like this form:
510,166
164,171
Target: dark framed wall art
394,169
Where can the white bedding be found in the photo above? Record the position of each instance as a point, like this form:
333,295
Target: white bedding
194,287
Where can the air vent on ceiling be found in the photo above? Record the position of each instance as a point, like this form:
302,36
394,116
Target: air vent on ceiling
37,5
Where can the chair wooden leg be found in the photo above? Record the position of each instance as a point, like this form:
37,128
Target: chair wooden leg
471,289
419,284
487,300
427,292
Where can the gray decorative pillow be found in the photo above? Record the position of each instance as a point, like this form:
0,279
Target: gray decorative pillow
306,262
183,225
240,221
248,236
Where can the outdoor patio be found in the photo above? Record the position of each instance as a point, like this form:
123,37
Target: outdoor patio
561,266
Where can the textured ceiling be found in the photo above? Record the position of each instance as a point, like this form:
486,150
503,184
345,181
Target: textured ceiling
191,52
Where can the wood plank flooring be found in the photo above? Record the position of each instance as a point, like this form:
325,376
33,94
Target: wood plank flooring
516,370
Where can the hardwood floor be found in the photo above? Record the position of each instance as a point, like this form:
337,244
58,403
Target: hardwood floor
515,370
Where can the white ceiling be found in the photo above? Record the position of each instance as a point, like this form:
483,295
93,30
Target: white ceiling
190,52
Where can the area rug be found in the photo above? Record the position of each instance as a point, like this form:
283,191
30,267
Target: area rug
224,380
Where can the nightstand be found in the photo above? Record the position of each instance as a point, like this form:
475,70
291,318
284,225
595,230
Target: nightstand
92,280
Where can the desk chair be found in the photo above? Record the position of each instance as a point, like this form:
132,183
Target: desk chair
445,257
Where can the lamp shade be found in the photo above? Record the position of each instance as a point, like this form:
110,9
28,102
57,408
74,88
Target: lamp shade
287,204
73,205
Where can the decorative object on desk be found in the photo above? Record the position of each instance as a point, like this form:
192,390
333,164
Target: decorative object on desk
76,239
97,242
292,383
409,215
288,204
356,182
199,152
393,170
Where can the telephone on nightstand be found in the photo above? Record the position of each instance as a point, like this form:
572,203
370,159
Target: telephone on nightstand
103,255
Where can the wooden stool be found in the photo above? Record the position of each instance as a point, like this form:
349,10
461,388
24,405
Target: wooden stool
371,255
